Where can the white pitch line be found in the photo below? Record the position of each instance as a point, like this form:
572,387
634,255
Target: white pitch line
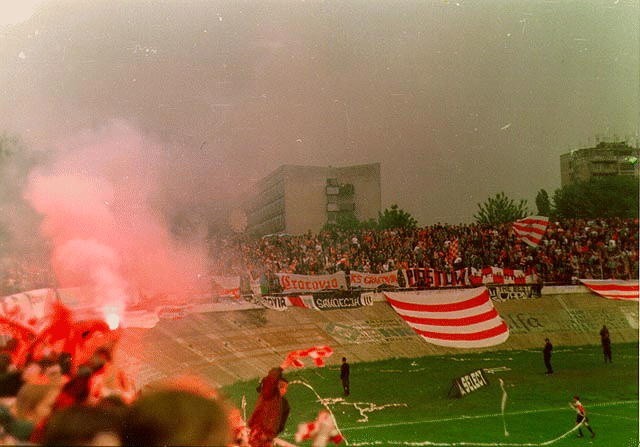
611,404
482,416
472,444
613,416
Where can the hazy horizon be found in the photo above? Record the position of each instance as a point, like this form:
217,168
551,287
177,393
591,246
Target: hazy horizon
457,100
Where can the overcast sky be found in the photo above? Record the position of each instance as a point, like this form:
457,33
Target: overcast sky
458,100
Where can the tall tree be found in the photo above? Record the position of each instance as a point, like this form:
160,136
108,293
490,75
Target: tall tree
500,209
347,221
395,217
543,203
611,196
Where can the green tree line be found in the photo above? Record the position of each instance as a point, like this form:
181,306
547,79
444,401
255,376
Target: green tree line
601,197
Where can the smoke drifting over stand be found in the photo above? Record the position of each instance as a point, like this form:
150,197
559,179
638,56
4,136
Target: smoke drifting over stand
104,211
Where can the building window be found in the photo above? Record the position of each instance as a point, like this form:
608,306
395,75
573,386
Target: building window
333,190
347,207
347,189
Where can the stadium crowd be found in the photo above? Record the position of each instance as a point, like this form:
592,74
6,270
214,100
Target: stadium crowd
48,399
78,395
52,401
571,249
19,275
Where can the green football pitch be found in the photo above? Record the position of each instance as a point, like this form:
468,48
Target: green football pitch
406,401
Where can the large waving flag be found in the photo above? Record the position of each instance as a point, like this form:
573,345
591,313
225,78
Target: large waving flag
458,318
614,289
317,353
531,229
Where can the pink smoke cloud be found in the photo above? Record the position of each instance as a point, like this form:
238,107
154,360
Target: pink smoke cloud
102,206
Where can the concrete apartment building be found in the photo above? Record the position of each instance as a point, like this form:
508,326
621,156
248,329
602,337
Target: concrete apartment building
296,199
615,158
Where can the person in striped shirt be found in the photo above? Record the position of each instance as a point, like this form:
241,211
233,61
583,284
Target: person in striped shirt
581,417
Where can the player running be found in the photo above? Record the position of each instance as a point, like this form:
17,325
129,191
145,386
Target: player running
581,417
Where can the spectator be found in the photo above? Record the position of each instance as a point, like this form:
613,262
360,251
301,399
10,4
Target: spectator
344,376
83,425
605,340
33,406
546,354
10,378
285,409
267,417
175,417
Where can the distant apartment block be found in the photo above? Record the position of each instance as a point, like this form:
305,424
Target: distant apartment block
616,158
296,199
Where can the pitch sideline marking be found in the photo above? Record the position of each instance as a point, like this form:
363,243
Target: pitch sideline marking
473,444
613,416
483,416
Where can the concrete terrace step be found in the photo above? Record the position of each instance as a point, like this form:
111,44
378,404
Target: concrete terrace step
225,346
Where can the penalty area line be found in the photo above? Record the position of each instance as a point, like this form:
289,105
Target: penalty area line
480,416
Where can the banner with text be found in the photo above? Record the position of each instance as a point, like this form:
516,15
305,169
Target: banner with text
312,283
507,292
319,301
424,278
273,302
373,280
469,276
469,383
341,300
419,278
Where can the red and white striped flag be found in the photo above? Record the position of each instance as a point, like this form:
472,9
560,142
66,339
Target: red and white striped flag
302,301
321,431
531,229
453,251
614,289
458,318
